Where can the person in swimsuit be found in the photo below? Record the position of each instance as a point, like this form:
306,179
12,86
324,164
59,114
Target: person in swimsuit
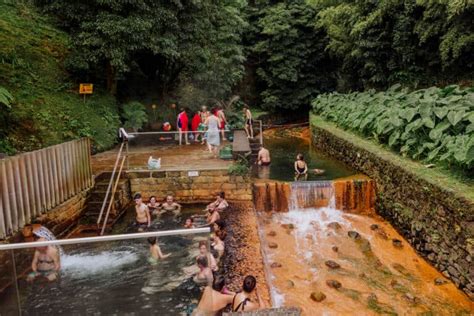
195,122
213,300
212,217
248,122
46,263
182,124
142,219
171,206
204,276
219,227
155,251
263,158
242,302
189,223
218,244
153,206
301,168
222,118
220,204
203,252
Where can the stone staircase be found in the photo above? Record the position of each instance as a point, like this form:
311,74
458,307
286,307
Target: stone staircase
254,148
87,225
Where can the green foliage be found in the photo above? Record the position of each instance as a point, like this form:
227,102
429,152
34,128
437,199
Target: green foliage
434,124
171,43
299,49
134,115
5,98
239,167
46,109
293,65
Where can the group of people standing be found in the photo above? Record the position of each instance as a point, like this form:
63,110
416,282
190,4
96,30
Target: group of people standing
208,126
205,127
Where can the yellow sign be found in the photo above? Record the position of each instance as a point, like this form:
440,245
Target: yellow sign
86,88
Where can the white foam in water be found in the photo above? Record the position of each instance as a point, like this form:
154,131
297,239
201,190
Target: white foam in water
80,265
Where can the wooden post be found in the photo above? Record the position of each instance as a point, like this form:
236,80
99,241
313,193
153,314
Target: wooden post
3,224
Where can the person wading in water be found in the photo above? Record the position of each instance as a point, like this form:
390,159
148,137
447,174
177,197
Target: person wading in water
142,219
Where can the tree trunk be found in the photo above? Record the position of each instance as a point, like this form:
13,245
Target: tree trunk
111,79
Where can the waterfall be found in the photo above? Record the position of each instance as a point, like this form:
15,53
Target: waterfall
311,194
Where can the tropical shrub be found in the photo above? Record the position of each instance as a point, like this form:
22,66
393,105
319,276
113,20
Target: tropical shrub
134,115
434,124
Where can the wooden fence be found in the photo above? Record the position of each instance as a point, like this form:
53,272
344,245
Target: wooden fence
35,182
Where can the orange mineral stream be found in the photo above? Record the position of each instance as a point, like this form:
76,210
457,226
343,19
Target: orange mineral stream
375,276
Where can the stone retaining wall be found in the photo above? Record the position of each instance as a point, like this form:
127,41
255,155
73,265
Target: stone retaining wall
191,188
437,221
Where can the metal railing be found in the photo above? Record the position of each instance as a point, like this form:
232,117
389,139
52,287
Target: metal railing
109,187
86,240
35,182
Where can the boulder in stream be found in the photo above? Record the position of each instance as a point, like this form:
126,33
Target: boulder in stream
353,234
332,264
275,265
288,226
334,225
397,243
272,233
334,284
374,227
440,281
335,248
318,296
272,245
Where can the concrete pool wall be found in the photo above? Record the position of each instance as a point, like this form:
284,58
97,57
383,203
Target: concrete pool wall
435,217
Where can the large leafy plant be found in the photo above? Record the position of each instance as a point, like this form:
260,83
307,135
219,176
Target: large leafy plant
134,115
434,124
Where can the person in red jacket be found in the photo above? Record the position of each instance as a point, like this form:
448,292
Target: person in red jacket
182,124
195,125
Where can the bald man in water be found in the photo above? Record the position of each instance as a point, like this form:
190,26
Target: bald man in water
263,158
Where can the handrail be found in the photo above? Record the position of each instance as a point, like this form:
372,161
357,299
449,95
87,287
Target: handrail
72,241
110,184
169,132
112,197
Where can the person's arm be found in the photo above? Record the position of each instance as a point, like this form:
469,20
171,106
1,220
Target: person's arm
55,256
34,263
160,254
296,167
259,157
178,207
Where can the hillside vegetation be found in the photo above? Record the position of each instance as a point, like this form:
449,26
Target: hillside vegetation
46,107
434,125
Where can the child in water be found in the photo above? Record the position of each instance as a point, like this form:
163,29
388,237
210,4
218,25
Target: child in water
155,251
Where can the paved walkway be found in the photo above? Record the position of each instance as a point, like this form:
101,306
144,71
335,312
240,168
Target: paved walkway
173,157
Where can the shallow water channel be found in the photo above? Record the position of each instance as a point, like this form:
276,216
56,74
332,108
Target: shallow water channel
118,277
350,263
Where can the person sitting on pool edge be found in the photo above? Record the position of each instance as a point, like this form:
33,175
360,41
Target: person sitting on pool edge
170,206
155,251
263,158
213,300
153,206
46,263
301,168
242,302
143,218
220,204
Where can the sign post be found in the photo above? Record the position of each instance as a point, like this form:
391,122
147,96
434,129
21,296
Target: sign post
86,88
